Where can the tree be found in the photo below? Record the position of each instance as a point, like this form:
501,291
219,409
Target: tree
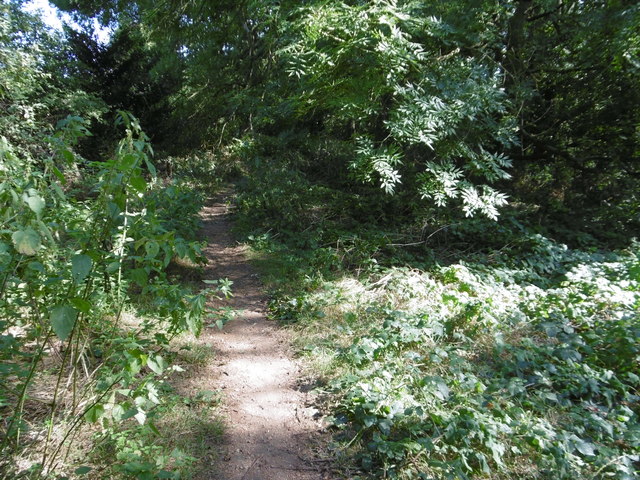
428,100
573,73
35,89
415,94
127,74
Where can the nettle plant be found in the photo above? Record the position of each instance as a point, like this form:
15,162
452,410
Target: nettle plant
80,246
421,99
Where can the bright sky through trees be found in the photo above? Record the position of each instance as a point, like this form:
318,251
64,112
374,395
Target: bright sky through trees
54,18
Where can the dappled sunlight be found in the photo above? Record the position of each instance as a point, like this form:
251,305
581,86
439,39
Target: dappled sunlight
268,426
322,239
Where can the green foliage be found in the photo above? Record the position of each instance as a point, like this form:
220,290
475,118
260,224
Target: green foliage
76,258
127,74
572,69
414,96
428,101
363,128
34,92
521,361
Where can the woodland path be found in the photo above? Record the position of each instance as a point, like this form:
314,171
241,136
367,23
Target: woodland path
270,430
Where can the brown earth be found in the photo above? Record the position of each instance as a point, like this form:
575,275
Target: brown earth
272,431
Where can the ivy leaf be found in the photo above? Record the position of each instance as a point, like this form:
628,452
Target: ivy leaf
585,448
26,241
63,319
80,267
82,470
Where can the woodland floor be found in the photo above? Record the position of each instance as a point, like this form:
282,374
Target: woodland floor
271,429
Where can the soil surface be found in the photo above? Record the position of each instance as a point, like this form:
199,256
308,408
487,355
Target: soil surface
272,429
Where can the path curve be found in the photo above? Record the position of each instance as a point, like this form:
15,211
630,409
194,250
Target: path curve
270,427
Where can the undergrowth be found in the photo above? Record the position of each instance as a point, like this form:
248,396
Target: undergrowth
89,305
510,356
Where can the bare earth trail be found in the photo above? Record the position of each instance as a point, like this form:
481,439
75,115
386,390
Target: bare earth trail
270,430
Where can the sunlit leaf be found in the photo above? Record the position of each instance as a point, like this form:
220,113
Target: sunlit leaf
26,241
157,364
36,204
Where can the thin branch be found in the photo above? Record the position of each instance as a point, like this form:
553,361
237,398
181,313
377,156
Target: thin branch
421,242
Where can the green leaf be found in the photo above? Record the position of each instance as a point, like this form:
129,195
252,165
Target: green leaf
82,470
80,267
81,304
113,267
94,413
585,448
26,241
127,162
63,319
152,248
58,190
36,204
140,276
141,417
129,414
634,272
68,156
138,183
44,231
153,428
117,412
151,167
37,266
157,364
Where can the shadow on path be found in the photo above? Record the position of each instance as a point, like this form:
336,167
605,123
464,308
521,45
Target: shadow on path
270,430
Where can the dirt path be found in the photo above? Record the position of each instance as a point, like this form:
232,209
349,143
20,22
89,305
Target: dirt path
270,428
